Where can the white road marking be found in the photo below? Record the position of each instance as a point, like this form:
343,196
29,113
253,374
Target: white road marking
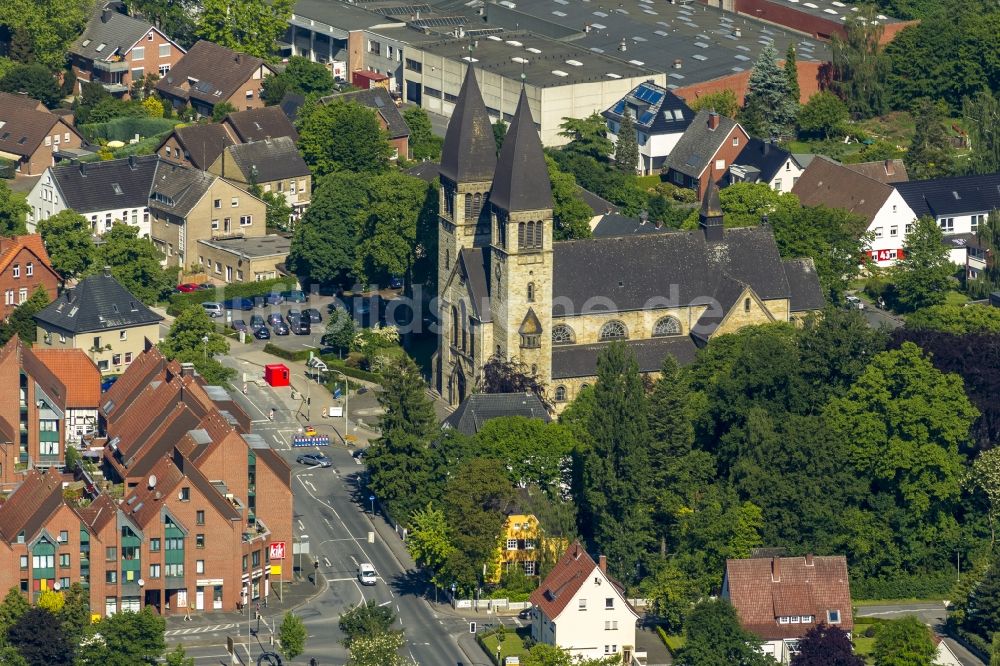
311,486
302,528
328,523
327,561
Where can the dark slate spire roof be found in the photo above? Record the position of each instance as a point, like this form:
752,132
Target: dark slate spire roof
711,205
522,178
470,151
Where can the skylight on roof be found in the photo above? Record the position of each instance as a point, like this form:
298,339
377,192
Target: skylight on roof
599,26
470,59
637,63
86,42
675,75
701,45
519,60
532,49
837,3
574,63
596,49
117,188
601,14
650,12
612,75
810,5
678,114
559,72
513,42
558,13
661,33
493,38
699,56
830,11
637,38
100,47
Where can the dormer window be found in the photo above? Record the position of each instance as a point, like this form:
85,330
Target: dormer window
833,616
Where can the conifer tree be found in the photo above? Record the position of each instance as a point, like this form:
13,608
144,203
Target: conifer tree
627,147
930,154
792,74
767,109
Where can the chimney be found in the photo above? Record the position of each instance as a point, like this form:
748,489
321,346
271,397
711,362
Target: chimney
622,46
890,168
105,15
678,63
187,369
71,294
83,169
107,271
132,162
775,569
239,57
602,563
713,120
809,560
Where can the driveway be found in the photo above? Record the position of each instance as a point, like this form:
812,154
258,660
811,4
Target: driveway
931,614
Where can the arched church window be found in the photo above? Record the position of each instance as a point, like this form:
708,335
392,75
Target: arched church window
560,394
613,330
667,326
531,292
562,335
454,326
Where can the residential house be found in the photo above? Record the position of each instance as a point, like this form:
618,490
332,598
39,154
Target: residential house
195,145
116,50
24,268
660,118
959,205
269,122
389,118
779,599
101,318
520,545
704,152
210,74
32,418
243,259
103,192
82,380
887,215
479,408
581,609
764,162
884,171
274,165
190,205
31,136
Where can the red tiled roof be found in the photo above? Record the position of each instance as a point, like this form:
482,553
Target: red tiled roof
77,372
144,368
9,247
565,579
764,589
27,509
98,513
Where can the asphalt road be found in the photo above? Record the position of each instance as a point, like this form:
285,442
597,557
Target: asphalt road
931,614
333,516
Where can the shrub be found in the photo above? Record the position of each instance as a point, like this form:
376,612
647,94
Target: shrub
125,129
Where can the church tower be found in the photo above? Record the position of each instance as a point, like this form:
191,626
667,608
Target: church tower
468,160
521,248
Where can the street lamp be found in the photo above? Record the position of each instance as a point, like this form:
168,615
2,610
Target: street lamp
204,339
371,498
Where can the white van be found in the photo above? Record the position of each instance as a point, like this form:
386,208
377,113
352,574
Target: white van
213,309
366,574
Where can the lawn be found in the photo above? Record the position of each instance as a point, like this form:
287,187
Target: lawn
512,645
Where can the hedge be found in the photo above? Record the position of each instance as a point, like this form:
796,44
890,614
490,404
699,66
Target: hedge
912,586
125,129
974,642
280,352
357,373
673,643
182,300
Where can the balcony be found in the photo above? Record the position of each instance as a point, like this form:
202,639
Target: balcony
114,88
219,234
255,531
116,65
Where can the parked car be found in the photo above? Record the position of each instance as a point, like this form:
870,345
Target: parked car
275,318
295,296
108,383
309,431
239,326
239,304
261,333
854,303
213,309
312,314
294,313
187,287
299,326
205,286
366,574
274,298
256,321
395,282
279,328
314,459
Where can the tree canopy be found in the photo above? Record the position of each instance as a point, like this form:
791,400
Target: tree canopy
246,26
135,263
68,241
342,136
193,339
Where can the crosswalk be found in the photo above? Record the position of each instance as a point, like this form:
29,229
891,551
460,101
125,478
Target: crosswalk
200,630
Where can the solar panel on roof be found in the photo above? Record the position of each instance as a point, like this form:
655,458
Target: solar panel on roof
619,108
675,75
646,118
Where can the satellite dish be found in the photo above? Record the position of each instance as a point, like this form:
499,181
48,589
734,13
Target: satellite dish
152,480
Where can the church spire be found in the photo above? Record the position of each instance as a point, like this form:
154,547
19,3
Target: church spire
710,216
469,152
522,177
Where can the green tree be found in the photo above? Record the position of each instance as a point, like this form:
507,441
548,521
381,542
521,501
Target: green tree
221,110
982,117
923,277
46,29
186,343
616,488
957,319
300,75
69,244
75,613
13,209
274,88
377,650
723,102
21,321
342,136
341,329
627,146
387,226
178,657
792,74
499,132
292,635
670,426
324,243
824,114
746,204
532,451
278,211
672,595
135,263
174,17
400,461
570,214
860,66
244,25
428,542
904,422
552,655
982,609
125,639
366,619
9,656
35,80
14,605
905,642
768,109
40,639
587,136
930,154
713,636
424,145
826,645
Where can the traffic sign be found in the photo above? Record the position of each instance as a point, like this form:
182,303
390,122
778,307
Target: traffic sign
276,551
301,441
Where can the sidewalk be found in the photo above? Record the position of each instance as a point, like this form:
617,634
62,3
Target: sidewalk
294,595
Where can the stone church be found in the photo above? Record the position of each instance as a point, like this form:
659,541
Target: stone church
505,288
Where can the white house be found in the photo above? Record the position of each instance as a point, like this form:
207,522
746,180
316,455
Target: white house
660,118
103,192
779,599
959,206
581,609
764,162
